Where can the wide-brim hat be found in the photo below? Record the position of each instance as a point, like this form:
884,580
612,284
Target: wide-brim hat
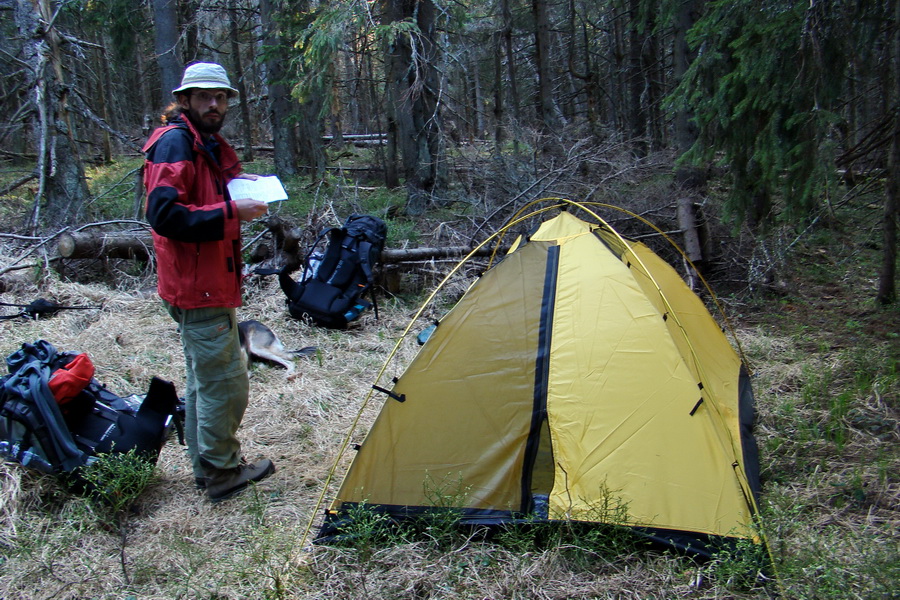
209,76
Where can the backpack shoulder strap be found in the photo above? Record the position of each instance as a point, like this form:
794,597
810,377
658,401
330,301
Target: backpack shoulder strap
330,233
365,255
31,382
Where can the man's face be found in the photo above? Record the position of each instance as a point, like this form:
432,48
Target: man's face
206,109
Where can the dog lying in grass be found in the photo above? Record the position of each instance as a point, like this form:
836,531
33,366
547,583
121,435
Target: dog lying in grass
259,342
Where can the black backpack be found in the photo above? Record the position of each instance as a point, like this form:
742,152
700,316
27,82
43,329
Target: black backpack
333,282
37,432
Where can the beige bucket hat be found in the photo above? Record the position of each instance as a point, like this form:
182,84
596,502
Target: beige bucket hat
209,76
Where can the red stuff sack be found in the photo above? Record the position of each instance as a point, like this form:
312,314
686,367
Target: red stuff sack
69,380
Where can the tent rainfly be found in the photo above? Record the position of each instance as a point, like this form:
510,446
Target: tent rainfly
577,373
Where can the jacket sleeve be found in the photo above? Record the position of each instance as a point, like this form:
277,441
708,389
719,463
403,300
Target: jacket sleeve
169,179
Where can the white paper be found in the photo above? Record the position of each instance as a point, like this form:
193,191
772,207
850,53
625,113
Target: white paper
267,189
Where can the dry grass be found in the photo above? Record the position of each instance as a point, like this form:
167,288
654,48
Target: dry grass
830,511
298,423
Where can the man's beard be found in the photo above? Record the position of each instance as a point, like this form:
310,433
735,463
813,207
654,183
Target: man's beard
206,127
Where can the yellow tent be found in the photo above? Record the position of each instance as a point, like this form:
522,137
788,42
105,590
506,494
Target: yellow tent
578,373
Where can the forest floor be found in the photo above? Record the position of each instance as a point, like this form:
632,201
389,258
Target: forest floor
825,362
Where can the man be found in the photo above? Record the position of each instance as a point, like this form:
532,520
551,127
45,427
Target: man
197,237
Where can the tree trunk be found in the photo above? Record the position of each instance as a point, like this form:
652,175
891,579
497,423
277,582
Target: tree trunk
637,114
498,96
310,150
586,74
186,13
353,71
685,132
413,90
688,178
104,98
144,93
383,122
887,288
548,112
61,173
284,137
618,120
514,105
887,284
654,78
477,97
688,224
335,113
239,84
168,50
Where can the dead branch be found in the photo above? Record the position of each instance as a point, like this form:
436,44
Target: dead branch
44,241
15,236
80,106
17,183
114,186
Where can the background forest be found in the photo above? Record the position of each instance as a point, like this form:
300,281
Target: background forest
792,106
763,136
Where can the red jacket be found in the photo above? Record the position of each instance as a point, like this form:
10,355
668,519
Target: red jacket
196,229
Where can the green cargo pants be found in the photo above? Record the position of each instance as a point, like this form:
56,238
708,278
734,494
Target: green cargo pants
217,386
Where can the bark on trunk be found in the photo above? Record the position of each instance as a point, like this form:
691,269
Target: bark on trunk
61,173
131,245
413,90
637,113
139,246
513,116
887,280
689,179
688,225
549,113
887,284
283,135
311,151
168,49
238,65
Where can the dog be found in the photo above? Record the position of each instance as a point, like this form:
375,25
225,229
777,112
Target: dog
261,343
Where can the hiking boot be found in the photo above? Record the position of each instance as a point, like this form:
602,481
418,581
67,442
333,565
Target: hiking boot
225,483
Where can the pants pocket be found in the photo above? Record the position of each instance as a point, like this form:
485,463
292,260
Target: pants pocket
213,344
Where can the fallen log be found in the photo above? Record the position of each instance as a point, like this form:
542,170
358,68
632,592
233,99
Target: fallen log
401,255
352,137
120,244
138,245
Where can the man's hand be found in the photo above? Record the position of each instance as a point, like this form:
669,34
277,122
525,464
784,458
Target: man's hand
249,209
249,176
